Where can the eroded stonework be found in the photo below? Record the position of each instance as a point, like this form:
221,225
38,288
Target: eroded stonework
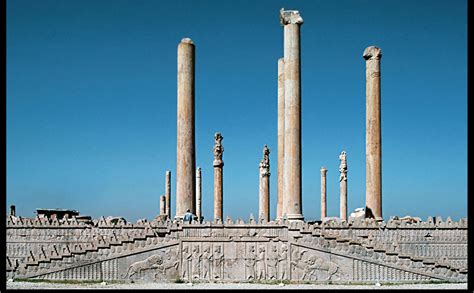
362,251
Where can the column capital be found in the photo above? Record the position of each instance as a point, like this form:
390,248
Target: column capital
343,166
290,17
372,52
265,162
323,169
218,150
187,41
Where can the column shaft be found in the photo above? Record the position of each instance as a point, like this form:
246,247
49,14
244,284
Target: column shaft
372,55
218,169
162,205
323,193
218,192
343,186
264,188
292,144
343,202
168,193
281,135
186,161
198,194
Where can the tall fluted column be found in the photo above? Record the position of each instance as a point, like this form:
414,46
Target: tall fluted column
186,160
198,194
168,193
373,138
281,135
264,188
323,193
162,205
343,185
218,169
291,21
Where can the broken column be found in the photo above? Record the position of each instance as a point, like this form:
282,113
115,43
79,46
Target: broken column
186,161
373,143
168,193
291,21
343,185
264,188
323,193
218,166
162,205
198,194
281,135
12,210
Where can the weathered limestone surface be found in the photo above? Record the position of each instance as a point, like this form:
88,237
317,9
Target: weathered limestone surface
291,21
162,205
186,160
373,143
264,187
323,193
218,169
363,251
198,193
168,192
281,135
343,185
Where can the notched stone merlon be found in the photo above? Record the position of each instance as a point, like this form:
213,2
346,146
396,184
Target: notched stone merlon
372,52
290,17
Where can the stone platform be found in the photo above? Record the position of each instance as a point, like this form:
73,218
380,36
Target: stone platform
360,251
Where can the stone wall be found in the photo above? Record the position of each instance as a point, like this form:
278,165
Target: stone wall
361,251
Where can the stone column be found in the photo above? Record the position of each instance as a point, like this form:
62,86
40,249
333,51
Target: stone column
264,188
218,169
186,161
281,135
323,193
343,185
12,210
373,142
198,194
291,21
162,205
168,193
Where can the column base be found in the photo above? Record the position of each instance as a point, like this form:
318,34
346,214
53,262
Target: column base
294,217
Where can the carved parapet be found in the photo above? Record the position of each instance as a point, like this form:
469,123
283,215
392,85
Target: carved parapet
53,253
12,265
66,251
290,17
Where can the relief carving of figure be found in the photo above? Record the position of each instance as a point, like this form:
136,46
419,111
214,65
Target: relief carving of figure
187,259
218,262
343,166
151,262
296,259
283,262
196,271
250,263
260,263
171,262
206,262
329,266
311,266
272,263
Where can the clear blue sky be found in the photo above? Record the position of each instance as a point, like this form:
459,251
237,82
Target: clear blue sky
91,102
